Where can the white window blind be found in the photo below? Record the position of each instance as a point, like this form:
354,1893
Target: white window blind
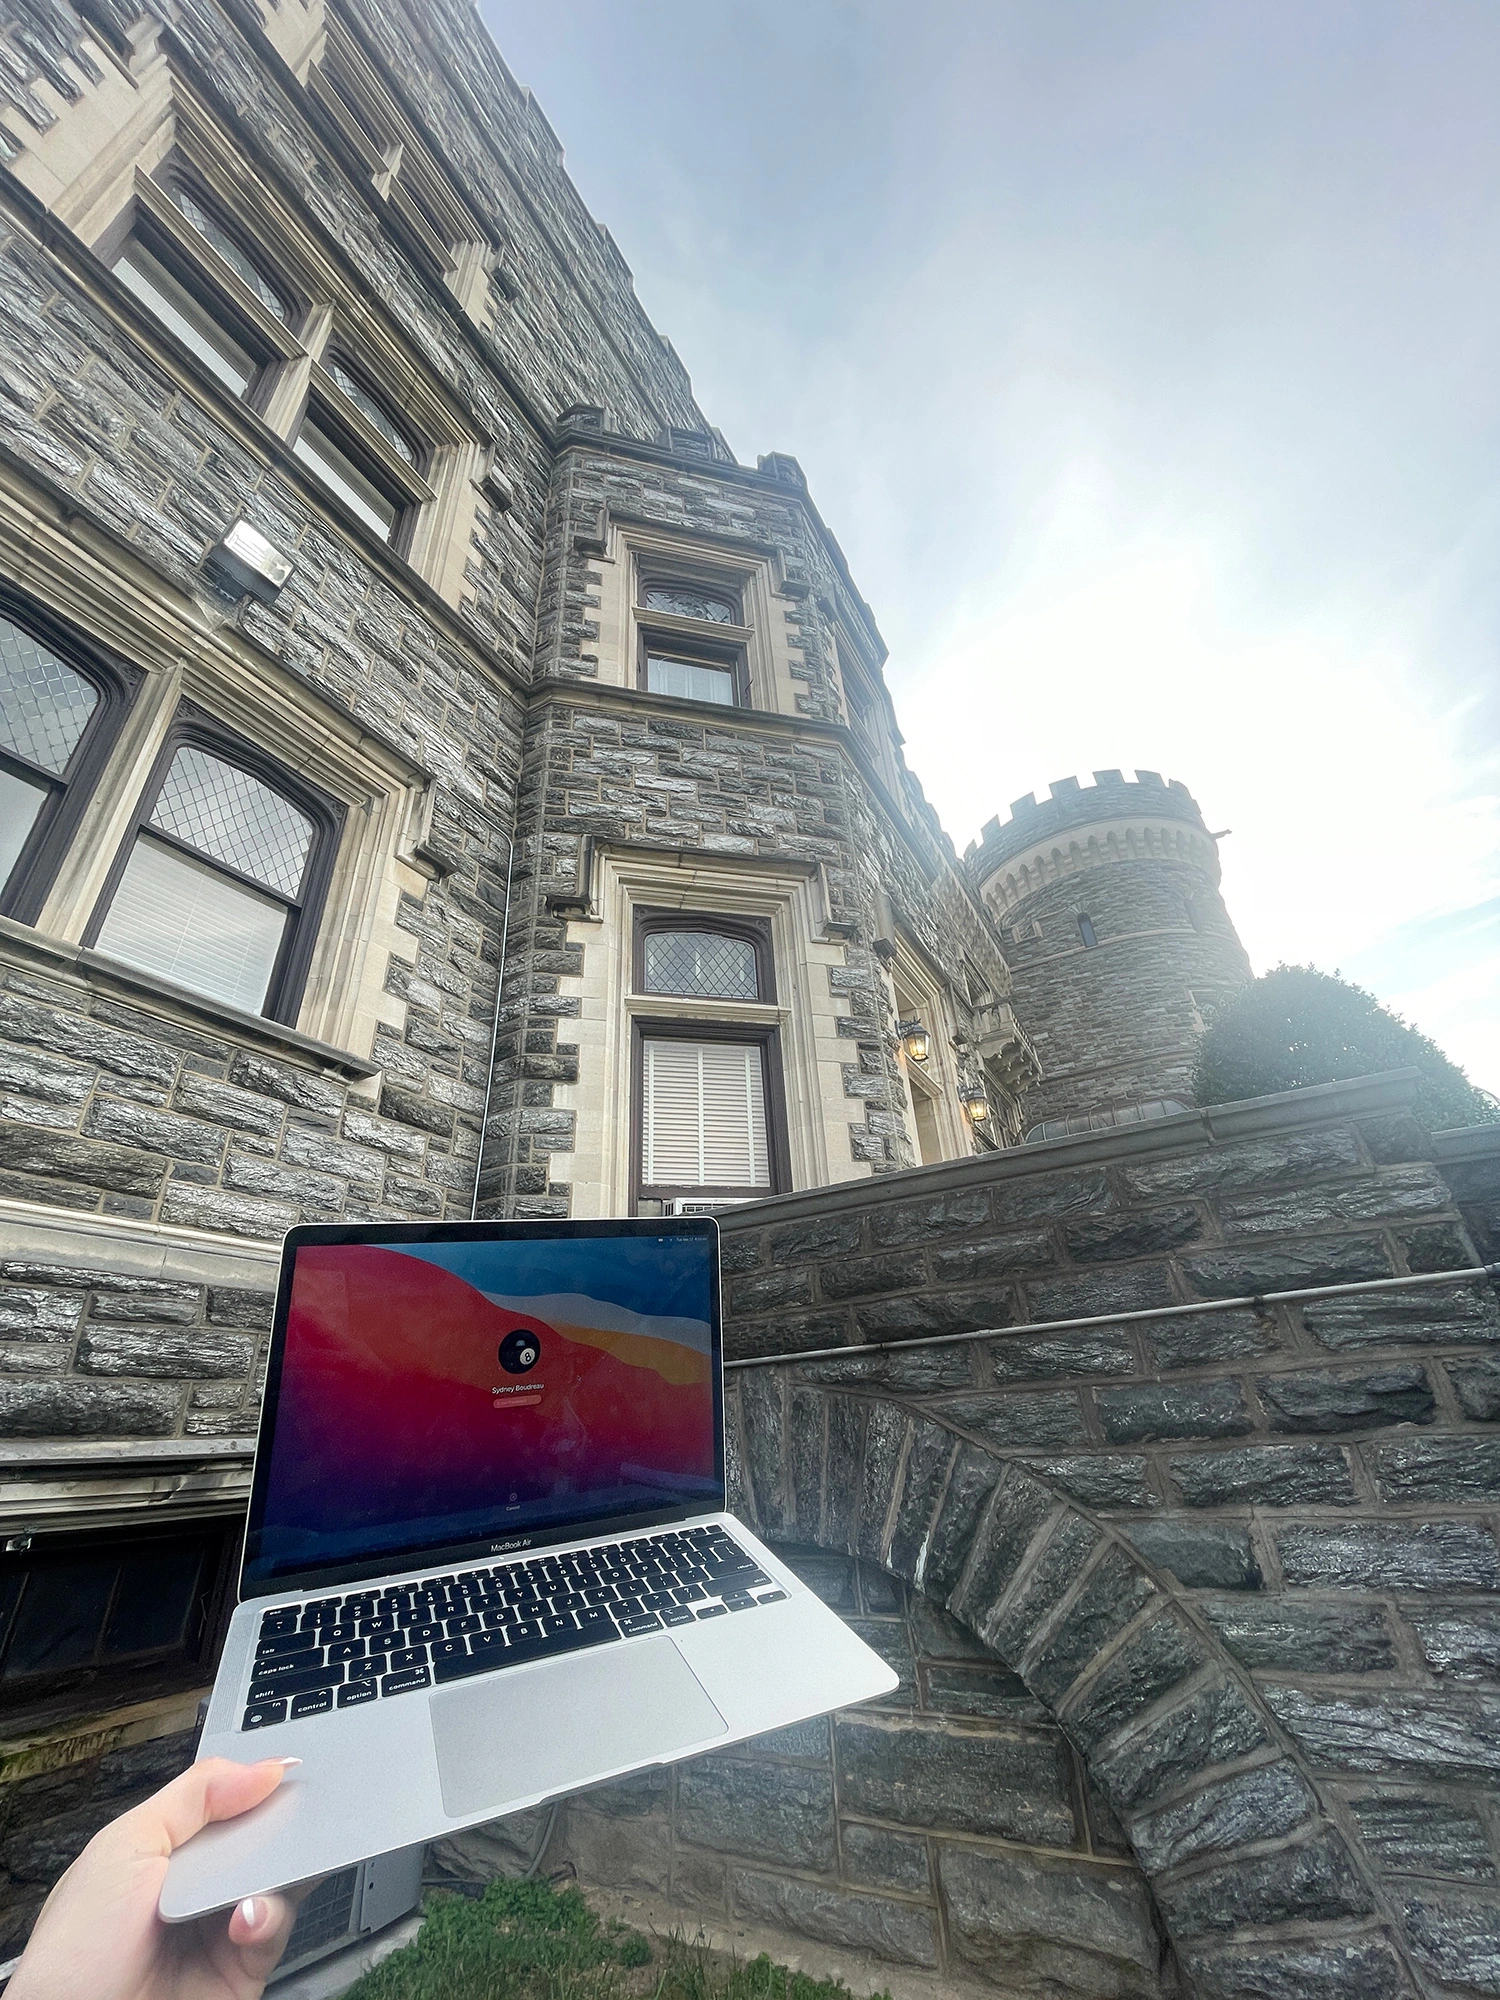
704,1115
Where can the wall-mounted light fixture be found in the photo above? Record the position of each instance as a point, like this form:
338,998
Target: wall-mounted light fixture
915,1040
248,563
978,1107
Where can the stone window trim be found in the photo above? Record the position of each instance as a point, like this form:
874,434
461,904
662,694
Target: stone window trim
192,726
667,1027
389,158
388,795
206,1553
329,318
632,555
152,219
117,682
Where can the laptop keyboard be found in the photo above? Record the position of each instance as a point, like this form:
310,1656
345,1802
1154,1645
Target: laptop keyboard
365,1644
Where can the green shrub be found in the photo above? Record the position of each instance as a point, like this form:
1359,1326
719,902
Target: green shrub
1297,1026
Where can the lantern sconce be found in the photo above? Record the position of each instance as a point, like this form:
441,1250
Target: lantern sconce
915,1040
978,1107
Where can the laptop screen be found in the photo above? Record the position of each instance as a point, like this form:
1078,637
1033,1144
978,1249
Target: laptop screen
443,1389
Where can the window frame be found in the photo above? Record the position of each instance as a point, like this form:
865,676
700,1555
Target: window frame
765,1036
24,892
193,727
656,644
649,920
349,431
152,219
150,1674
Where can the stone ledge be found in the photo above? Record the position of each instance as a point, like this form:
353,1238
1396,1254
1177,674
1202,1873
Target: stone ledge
1253,1117
138,1249
97,973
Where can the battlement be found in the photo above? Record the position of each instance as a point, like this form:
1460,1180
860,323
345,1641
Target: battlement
1072,805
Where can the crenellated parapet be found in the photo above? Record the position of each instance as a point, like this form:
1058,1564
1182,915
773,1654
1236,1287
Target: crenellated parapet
1081,827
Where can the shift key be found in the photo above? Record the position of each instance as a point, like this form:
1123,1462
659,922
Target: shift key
301,1682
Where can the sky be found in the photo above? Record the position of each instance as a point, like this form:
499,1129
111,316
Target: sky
1145,361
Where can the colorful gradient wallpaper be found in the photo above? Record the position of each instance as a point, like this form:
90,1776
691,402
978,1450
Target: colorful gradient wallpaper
442,1392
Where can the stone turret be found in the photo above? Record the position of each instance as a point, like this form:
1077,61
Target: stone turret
1121,949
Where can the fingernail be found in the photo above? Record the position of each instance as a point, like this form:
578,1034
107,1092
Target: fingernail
287,1762
250,1913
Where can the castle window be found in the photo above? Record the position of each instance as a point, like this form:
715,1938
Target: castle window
1087,932
708,1113
705,964
708,679
58,716
234,255
198,279
350,475
373,410
1194,915
221,886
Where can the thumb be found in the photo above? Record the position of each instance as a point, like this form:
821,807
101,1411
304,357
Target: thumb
215,1789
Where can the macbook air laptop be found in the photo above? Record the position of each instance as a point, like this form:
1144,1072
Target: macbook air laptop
487,1560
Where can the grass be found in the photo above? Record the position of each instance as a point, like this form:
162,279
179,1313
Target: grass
527,1941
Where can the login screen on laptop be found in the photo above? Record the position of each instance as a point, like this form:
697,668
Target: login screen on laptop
434,1393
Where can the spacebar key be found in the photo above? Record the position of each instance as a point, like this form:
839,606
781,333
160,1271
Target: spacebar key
541,1648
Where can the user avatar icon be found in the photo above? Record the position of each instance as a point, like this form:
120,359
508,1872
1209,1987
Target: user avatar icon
520,1351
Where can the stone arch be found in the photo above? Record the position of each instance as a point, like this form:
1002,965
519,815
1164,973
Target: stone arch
1261,1894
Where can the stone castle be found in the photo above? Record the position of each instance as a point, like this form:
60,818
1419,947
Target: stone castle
437,779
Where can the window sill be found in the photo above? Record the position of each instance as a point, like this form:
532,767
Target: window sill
102,974
684,1007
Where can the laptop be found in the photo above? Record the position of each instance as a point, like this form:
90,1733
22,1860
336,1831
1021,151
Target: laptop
487,1560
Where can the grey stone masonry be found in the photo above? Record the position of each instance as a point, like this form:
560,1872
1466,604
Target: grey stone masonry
90,1352
1250,1561
116,1099
950,1827
1117,1014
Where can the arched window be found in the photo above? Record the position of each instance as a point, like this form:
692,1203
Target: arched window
59,709
220,888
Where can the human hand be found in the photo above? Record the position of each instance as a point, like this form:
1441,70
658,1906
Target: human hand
99,1936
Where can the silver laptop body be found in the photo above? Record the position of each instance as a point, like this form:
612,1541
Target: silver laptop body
487,1560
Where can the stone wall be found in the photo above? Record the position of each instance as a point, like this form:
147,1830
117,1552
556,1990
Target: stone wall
1247,1560
950,1826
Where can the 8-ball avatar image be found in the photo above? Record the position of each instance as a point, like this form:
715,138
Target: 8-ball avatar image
520,1351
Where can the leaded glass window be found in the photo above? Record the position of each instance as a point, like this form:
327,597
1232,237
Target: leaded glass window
213,886
688,600
219,239
44,706
704,965
372,411
45,709
228,814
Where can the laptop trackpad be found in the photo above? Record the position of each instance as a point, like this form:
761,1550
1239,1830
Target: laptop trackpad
565,1722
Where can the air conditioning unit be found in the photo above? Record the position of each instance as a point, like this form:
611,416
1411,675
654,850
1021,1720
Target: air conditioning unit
693,1205
352,1905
